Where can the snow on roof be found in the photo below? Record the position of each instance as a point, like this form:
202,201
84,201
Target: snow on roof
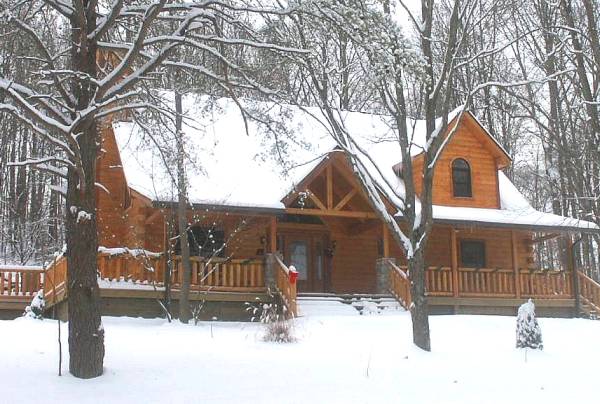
235,168
258,168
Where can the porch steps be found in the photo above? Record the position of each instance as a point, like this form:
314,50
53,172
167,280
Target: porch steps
588,311
343,303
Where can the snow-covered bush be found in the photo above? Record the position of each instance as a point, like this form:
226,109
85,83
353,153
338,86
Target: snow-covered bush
272,315
529,334
36,307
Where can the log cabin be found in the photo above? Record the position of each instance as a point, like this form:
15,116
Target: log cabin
274,207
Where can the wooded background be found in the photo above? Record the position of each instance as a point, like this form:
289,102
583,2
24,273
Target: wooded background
543,57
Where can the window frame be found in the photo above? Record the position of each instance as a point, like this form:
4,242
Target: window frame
453,181
461,250
200,252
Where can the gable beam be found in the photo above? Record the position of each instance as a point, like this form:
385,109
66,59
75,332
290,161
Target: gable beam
316,199
329,179
345,199
331,212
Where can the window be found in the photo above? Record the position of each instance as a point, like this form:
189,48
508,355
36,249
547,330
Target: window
472,254
204,242
461,178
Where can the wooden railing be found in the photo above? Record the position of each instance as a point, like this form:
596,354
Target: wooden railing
140,268
490,282
20,282
55,280
438,281
590,291
399,285
149,269
546,284
286,284
237,275
486,282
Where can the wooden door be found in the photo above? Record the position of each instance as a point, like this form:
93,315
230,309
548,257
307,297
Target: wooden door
305,253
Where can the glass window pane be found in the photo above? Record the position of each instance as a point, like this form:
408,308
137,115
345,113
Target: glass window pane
299,258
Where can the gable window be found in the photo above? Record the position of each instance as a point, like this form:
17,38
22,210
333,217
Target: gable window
461,178
472,254
204,242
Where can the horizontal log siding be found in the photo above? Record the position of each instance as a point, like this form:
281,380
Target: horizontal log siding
354,261
484,174
112,219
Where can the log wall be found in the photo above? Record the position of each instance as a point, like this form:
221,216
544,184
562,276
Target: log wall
468,143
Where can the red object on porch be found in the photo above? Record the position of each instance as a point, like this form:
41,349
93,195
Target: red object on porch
293,277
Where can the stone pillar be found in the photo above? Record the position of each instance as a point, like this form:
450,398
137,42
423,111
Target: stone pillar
270,268
382,273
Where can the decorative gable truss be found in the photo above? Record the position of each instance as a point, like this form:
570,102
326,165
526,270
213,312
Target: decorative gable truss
331,189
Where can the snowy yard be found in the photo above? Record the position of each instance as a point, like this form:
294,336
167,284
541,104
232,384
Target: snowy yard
340,357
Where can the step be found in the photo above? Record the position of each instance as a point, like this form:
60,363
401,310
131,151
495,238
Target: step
363,303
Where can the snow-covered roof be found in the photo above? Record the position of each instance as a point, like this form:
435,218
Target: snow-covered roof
515,211
259,167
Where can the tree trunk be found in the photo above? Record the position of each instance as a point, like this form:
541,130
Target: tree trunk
419,309
86,334
185,313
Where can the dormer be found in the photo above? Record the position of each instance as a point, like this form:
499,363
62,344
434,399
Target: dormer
466,173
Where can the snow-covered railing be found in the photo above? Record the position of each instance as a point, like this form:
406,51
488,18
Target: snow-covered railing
217,274
125,265
20,281
286,284
399,285
590,291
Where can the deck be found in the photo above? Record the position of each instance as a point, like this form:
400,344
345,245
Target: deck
497,290
130,281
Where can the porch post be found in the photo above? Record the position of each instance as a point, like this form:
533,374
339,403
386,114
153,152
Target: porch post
573,270
382,271
454,264
515,262
386,241
270,261
270,268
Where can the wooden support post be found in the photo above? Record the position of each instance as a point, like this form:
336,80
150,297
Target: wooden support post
515,263
386,241
273,235
575,279
454,252
329,179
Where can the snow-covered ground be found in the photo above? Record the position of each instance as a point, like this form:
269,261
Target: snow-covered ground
340,357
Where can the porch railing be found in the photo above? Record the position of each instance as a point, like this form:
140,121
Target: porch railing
221,275
496,282
126,269
55,280
400,285
286,284
590,291
18,282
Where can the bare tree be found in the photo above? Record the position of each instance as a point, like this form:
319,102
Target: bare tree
90,77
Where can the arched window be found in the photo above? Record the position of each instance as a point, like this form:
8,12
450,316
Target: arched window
461,178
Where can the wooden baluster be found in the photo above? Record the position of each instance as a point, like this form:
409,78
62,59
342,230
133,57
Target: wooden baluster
238,273
230,274
260,278
224,268
195,272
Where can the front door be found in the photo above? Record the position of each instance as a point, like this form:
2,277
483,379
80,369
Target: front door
305,253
